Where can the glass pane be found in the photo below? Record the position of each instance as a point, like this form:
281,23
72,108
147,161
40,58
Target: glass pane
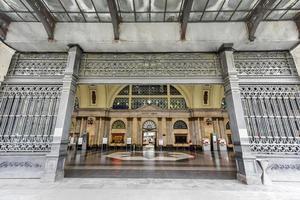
174,5
285,4
247,4
149,90
224,16
91,17
76,17
105,17
16,5
14,17
141,5
214,5
297,5
86,5
70,5
61,17
27,5
239,16
54,5
4,7
101,5
231,4
195,16
209,16
142,17
172,17
157,17
158,5
290,14
199,5
275,15
28,17
127,17
126,5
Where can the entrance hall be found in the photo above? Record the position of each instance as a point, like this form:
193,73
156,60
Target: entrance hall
150,131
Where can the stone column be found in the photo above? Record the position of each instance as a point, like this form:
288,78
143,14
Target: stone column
246,167
54,166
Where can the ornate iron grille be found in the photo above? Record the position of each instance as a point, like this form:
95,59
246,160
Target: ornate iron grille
272,115
265,64
38,64
27,117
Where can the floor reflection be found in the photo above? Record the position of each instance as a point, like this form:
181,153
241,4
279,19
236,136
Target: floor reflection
150,164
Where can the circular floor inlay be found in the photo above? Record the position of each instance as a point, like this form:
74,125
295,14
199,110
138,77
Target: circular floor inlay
150,155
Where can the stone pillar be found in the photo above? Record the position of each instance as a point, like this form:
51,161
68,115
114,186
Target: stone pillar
202,130
54,166
134,130
246,166
164,130
97,133
216,127
296,57
222,128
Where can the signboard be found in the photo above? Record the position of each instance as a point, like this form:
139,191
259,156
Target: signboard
104,140
80,141
128,141
160,142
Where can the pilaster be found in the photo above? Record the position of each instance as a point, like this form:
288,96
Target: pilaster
246,166
54,167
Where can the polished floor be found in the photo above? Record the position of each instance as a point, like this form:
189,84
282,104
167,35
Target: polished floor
150,164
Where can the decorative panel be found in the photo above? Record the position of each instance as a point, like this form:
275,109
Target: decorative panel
149,90
28,116
38,64
151,65
264,64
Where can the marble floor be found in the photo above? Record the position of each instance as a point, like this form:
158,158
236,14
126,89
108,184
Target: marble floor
150,164
145,189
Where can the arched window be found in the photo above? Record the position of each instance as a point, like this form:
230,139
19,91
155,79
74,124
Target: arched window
149,125
227,126
118,125
162,96
180,125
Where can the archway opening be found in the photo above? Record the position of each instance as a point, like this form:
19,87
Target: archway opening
149,135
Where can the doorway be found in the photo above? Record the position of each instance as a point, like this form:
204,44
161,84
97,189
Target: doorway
149,135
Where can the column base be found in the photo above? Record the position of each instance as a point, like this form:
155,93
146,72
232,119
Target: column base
54,169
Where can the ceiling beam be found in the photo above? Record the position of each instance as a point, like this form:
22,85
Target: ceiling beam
4,23
297,21
114,17
44,16
257,15
186,10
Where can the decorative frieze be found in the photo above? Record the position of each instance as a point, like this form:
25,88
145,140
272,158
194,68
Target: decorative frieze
22,164
38,64
150,65
284,167
264,64
270,145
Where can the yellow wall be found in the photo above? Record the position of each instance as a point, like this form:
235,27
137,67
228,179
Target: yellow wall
193,95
